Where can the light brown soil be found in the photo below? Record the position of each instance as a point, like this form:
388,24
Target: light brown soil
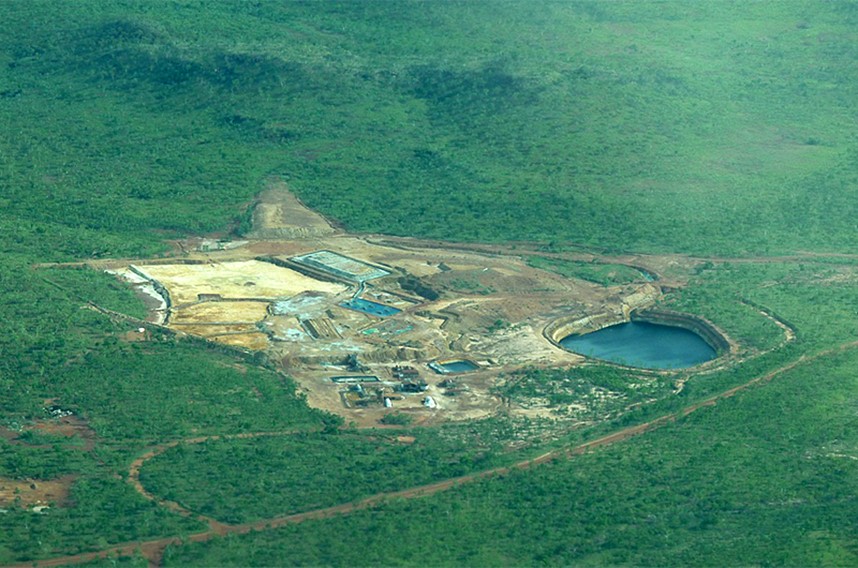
68,426
255,341
225,312
34,492
233,280
214,329
279,214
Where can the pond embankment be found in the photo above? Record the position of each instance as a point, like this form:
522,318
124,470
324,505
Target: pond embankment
705,329
561,328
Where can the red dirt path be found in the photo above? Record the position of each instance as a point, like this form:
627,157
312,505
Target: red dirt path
153,549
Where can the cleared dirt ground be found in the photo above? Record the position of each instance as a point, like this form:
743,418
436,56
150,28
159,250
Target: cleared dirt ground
254,341
481,302
34,492
491,308
279,214
238,312
68,427
214,329
233,280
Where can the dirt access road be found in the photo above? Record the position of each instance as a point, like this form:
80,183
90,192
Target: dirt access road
278,215
153,550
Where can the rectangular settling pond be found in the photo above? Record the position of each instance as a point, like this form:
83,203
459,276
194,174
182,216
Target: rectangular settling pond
370,307
453,366
351,379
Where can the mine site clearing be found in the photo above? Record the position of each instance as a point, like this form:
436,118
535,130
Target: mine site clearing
371,326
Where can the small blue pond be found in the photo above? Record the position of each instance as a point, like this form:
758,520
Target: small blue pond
356,379
642,344
453,366
369,307
458,366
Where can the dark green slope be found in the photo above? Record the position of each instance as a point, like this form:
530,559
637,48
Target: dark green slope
677,127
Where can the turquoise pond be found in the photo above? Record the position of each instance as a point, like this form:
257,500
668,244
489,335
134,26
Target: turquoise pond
642,344
370,307
462,366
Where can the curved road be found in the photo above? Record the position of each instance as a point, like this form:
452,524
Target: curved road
153,549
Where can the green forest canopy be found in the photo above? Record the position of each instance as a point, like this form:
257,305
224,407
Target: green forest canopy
718,129
683,127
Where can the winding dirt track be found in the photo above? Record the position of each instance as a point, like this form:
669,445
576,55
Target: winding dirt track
137,464
154,549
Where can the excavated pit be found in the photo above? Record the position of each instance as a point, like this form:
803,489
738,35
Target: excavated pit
653,339
643,344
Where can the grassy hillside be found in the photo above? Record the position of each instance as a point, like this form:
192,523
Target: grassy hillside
715,129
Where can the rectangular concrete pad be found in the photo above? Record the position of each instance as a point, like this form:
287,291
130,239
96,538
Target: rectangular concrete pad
340,265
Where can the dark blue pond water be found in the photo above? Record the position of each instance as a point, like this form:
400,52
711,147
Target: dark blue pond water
641,344
369,307
459,366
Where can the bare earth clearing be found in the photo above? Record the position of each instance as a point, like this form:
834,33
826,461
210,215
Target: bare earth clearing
364,324
37,495
295,300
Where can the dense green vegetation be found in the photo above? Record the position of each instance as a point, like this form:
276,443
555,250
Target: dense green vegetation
604,274
723,294
268,477
396,418
787,290
691,127
716,129
164,391
720,487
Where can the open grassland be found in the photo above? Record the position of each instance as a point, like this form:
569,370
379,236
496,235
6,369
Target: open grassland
604,274
715,129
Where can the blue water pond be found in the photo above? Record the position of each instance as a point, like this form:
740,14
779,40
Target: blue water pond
459,366
370,307
642,344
